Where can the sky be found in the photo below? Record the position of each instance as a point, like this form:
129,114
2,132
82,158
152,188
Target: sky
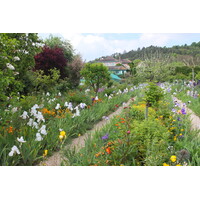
95,45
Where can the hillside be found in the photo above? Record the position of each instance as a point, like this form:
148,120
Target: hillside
193,49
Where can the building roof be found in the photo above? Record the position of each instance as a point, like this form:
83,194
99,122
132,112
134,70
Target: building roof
108,59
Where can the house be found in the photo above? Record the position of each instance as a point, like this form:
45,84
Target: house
115,66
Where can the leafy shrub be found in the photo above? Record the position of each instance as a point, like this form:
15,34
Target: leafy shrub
46,83
153,94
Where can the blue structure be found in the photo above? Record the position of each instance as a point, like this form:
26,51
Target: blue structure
115,77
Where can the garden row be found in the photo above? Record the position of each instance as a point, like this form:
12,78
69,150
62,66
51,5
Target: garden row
33,127
188,94
131,139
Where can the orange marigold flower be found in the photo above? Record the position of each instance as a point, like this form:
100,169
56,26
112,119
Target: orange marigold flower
10,129
116,124
108,150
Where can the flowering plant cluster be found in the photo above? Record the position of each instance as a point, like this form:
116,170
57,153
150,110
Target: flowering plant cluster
165,139
29,125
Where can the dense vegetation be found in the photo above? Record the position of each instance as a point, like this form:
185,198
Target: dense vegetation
43,105
193,49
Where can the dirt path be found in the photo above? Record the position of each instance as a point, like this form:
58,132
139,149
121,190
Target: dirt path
195,120
56,158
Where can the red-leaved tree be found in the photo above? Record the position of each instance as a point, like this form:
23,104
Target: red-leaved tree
51,58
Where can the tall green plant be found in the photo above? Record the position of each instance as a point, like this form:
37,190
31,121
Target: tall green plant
153,94
96,75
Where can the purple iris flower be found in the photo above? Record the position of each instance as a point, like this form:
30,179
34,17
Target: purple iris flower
173,110
105,137
183,111
179,119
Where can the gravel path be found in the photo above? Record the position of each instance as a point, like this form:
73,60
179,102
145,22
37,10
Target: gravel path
56,158
195,120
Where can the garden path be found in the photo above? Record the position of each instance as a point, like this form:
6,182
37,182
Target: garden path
56,158
195,120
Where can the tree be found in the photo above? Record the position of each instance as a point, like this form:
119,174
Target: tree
133,66
51,58
65,45
155,67
74,62
191,61
96,75
74,68
17,52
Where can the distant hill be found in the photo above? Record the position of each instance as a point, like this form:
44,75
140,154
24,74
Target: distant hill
193,49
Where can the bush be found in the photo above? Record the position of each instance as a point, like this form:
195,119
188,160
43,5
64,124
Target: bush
46,83
153,94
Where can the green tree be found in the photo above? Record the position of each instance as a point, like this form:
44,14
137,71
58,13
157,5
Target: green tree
17,52
153,94
155,67
74,62
96,75
133,66
54,41
191,61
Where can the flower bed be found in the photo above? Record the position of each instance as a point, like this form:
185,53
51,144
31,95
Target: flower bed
164,139
35,126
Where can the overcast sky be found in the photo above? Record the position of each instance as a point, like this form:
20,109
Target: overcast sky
95,45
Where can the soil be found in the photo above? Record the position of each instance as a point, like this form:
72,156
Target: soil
56,158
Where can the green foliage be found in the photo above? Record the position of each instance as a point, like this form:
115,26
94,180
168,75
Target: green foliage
96,75
153,94
46,83
74,62
133,66
78,97
175,51
54,41
17,51
197,77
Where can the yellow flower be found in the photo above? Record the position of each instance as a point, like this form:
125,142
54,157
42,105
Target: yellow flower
165,164
79,135
61,137
180,134
45,153
63,133
182,129
175,138
173,158
178,165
